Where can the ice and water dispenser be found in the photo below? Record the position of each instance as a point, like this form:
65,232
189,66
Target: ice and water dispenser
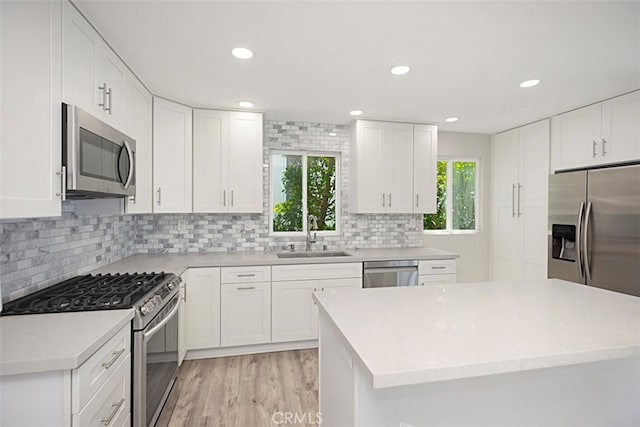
563,244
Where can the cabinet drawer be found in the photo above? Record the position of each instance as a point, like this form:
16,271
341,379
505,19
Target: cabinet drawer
111,404
317,271
95,371
441,266
426,279
260,273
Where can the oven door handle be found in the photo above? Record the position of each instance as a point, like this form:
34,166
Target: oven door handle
164,321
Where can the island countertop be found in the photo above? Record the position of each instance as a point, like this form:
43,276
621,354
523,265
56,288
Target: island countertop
414,335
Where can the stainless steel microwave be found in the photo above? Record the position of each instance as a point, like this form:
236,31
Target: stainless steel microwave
98,161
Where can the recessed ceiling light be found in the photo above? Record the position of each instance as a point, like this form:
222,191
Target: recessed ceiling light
451,119
399,70
333,134
356,112
245,104
530,83
242,53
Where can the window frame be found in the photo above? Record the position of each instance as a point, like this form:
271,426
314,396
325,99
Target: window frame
305,155
449,202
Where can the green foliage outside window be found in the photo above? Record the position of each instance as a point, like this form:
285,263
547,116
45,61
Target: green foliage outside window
462,208
438,220
288,213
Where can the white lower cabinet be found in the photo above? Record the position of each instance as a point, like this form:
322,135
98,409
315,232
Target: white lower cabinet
245,313
201,306
436,271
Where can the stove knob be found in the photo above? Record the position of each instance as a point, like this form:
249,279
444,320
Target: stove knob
171,286
144,310
156,300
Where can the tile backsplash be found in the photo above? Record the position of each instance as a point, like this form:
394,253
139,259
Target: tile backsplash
35,253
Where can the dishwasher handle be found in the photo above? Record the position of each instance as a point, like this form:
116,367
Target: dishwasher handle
390,270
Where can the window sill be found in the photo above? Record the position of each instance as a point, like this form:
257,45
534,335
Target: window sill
450,232
302,233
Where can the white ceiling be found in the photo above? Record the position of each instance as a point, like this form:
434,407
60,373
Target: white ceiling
317,60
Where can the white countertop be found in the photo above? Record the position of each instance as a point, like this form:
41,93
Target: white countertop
414,335
178,263
52,342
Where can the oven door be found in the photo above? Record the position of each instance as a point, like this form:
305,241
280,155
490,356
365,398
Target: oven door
155,364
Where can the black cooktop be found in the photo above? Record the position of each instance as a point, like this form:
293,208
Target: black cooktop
87,293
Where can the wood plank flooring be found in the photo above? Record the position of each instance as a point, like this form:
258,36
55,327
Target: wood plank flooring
245,391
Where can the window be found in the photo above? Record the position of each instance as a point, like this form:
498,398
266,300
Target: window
301,185
459,212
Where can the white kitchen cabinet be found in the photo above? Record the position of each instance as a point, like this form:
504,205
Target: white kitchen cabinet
294,313
392,165
436,271
139,127
30,141
182,319
201,305
425,171
520,199
93,77
245,313
172,156
602,133
227,164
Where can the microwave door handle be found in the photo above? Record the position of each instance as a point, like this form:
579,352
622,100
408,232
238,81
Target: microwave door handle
131,165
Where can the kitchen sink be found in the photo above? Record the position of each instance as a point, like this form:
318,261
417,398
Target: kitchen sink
318,254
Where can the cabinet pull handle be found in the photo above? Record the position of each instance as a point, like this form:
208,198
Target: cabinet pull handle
417,200
246,275
594,148
245,288
383,194
116,407
604,152
159,194
116,354
110,101
63,183
438,267
389,199
224,197
513,200
184,298
519,188
231,197
103,88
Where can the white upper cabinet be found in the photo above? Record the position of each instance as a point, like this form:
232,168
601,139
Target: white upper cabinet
392,166
30,84
227,165
172,156
93,77
607,132
425,158
139,127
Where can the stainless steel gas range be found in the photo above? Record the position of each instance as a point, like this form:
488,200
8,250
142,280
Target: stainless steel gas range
155,299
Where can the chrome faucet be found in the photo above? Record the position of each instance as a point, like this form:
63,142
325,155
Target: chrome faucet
311,219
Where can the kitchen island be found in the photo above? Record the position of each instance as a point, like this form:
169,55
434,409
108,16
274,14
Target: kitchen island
546,352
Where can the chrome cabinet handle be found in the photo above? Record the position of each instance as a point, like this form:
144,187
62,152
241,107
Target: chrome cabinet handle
585,242
245,288
103,88
578,241
594,148
224,197
110,100
131,164
383,200
116,354
389,199
438,267
63,183
519,188
418,200
159,191
184,297
231,197
246,275
513,200
116,407
604,152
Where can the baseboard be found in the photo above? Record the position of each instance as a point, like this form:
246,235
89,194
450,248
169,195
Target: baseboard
249,349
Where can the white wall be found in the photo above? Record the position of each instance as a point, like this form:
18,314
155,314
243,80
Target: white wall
474,262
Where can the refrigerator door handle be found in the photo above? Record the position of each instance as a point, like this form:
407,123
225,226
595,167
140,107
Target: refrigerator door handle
585,242
579,241
513,200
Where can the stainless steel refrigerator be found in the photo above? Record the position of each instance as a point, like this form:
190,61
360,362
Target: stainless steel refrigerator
594,228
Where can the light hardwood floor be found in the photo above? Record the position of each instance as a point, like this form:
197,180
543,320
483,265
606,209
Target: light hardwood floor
245,391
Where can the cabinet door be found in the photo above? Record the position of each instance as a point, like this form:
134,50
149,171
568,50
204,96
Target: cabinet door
368,193
112,72
245,162
505,168
172,147
202,308
182,320
210,161
333,284
80,50
138,126
425,160
576,137
621,128
30,82
246,314
399,168
533,198
294,313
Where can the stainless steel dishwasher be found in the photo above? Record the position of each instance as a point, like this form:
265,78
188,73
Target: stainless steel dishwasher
381,274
